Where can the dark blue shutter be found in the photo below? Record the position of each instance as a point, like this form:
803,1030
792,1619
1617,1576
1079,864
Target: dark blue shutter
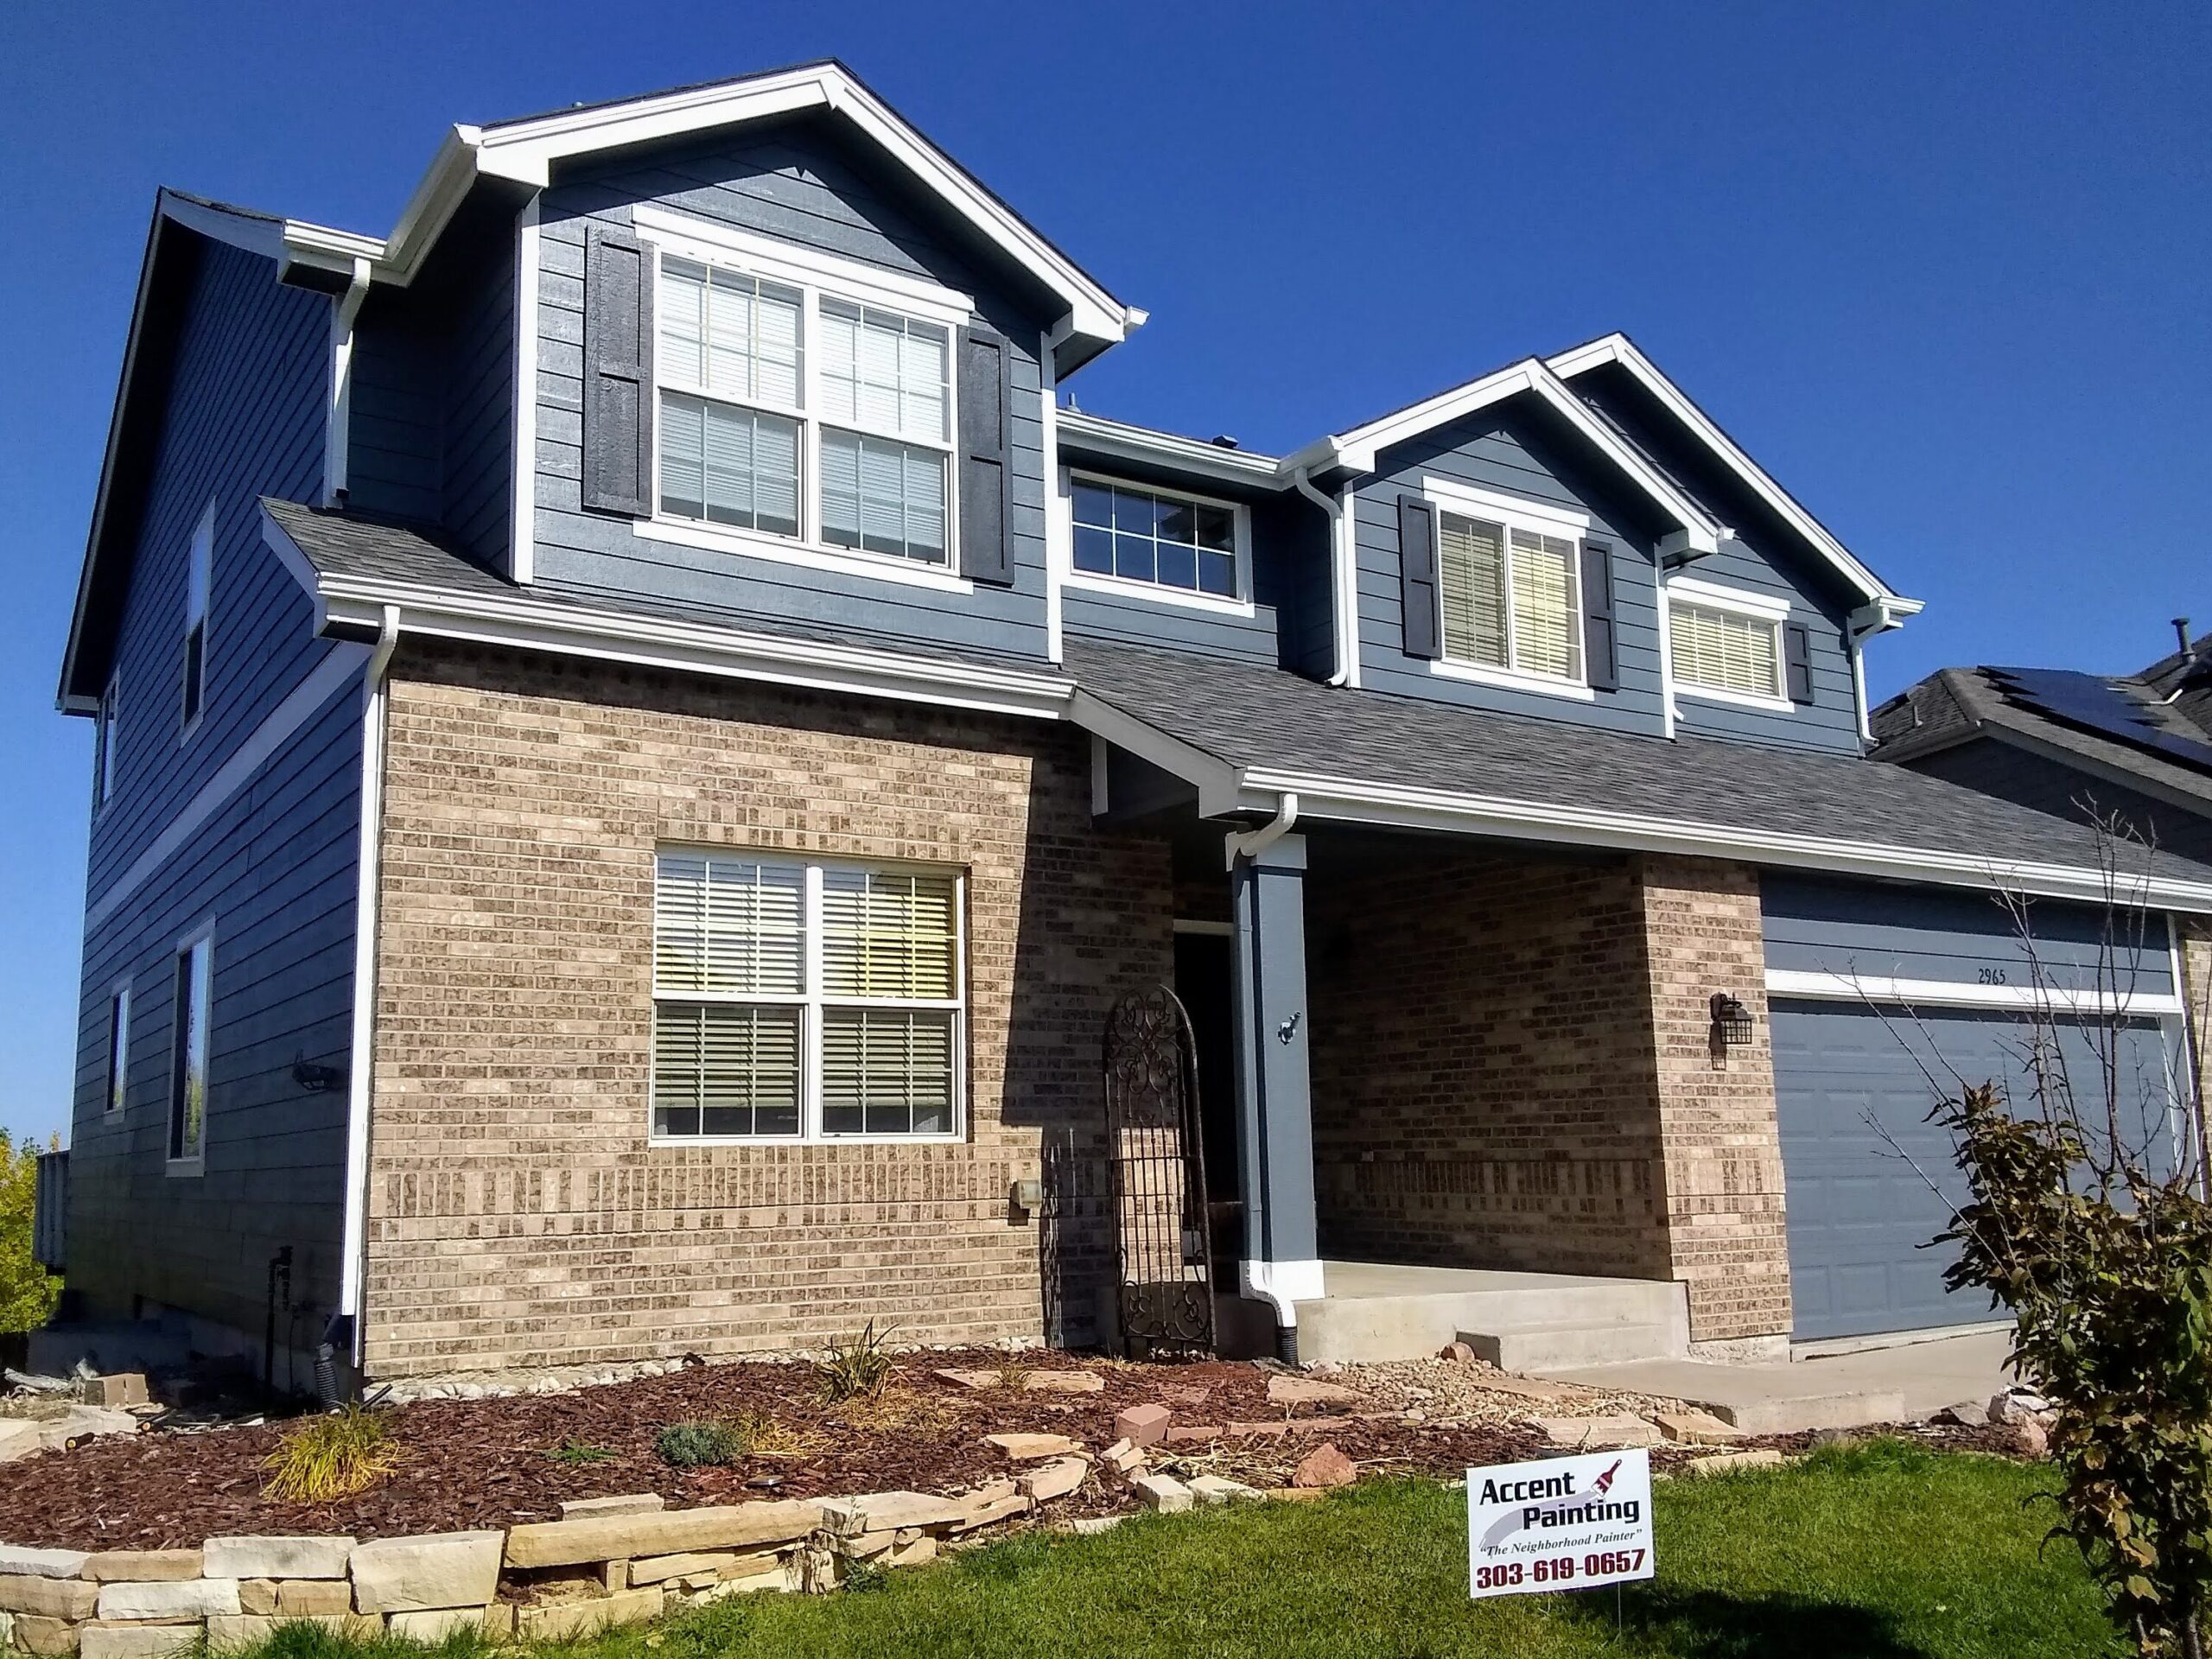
618,434
1601,656
1797,657
1417,576
986,549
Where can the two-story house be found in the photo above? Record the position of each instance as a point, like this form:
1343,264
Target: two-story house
641,738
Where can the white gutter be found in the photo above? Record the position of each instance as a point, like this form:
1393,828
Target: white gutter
337,419
351,1264
1346,671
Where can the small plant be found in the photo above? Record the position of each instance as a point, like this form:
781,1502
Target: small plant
340,1455
856,1368
1013,1375
578,1453
762,1436
699,1445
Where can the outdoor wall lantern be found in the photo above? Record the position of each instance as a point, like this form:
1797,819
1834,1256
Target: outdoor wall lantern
1732,1021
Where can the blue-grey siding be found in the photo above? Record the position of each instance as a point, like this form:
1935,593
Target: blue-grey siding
272,868
477,477
1132,618
1881,932
393,457
802,184
2011,773
1506,449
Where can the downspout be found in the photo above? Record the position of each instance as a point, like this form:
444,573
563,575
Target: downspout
1347,629
360,1093
1250,843
337,434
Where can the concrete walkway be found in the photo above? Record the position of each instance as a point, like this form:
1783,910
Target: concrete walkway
1905,1383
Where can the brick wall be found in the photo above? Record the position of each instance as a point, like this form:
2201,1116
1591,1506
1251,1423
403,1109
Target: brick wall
517,1214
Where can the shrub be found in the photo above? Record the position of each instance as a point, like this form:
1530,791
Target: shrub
340,1455
854,1369
578,1453
699,1445
27,1291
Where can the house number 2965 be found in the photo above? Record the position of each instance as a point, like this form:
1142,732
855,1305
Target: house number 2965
1989,975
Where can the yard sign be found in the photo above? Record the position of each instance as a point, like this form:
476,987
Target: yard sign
1565,1523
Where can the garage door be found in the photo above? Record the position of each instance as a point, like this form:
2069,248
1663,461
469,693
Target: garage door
1848,1084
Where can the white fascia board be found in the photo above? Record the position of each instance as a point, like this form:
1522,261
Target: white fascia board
1405,806
1814,984
1095,435
296,565
1215,779
690,648
1619,348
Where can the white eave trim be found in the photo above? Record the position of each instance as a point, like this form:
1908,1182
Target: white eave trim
1619,348
1094,435
1358,449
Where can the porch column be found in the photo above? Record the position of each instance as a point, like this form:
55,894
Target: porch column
1274,1144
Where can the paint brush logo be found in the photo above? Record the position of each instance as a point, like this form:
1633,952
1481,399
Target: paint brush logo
1605,1481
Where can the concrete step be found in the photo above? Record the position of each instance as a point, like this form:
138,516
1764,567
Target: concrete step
1780,1398
1392,1314
1554,1347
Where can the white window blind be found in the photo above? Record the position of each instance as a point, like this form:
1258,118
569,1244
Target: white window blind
1509,601
1724,652
799,998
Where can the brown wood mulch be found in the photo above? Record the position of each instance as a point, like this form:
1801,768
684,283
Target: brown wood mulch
484,1463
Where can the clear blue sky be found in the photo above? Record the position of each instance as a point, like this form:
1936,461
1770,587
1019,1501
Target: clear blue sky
1942,267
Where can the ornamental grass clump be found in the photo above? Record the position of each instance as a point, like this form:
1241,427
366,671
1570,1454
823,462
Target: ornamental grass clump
856,1368
338,1455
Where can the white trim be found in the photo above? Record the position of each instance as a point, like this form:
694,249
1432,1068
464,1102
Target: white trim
1119,440
1618,348
1670,710
1549,685
118,1046
1818,985
199,939
1343,550
812,555
1693,690
1465,499
796,265
1056,505
338,413
1240,531
360,1077
1160,593
281,723
522,507
1206,930
1216,780
1742,600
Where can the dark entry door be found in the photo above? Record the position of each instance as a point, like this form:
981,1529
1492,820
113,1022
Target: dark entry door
1202,966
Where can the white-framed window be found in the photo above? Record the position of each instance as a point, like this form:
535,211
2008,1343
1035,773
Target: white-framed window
190,1031
1508,578
118,1044
1725,645
104,741
805,999
1156,539
198,573
803,408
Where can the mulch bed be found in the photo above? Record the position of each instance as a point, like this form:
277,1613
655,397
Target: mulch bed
484,1463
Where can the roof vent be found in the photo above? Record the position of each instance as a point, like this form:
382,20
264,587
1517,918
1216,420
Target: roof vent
1223,441
2181,632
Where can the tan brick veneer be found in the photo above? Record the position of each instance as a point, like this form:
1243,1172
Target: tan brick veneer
517,1214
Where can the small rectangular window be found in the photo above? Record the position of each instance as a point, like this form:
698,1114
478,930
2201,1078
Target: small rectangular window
796,998
1148,535
198,575
1722,650
104,739
194,1013
1511,599
118,1046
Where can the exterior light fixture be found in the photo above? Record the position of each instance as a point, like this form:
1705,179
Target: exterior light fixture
1732,1021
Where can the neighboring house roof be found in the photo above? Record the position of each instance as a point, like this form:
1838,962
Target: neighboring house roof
1957,705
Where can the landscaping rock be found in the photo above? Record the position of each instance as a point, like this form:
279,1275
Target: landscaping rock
1064,1382
229,1632
49,1598
313,1598
2016,1406
1295,1391
1142,1425
1025,1448
1193,1433
1219,1489
1596,1432
42,1563
1694,1428
19,1438
190,1598
436,1625
1967,1414
566,1622
1721,1463
1089,1525
989,1512
877,1511
446,1569
7,1632
1055,1479
631,1504
921,1550
85,1423
1457,1350
279,1558
660,1569
1163,1492
626,1537
976,1380
257,1597
143,1565
135,1640
1324,1466
1123,1455
779,1577
37,1635
2030,1440
123,1389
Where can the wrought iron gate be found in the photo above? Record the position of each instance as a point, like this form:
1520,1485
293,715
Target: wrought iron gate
1163,1256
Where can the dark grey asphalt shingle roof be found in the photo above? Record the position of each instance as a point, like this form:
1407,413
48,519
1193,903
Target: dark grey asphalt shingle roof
1259,717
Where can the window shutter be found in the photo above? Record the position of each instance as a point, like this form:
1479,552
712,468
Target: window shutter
1797,656
1599,655
986,549
618,464
1417,574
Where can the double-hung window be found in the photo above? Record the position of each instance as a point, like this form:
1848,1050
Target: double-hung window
794,411
1154,537
199,571
1510,596
805,999
189,1033
1726,645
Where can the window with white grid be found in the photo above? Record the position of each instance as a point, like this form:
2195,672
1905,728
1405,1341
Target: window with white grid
801,999
1724,651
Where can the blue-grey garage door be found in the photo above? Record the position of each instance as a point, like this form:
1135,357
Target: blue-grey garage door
1848,1082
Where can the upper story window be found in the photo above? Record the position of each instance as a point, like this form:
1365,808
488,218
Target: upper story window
1158,538
105,732
1729,644
791,410
804,1000
200,564
1511,597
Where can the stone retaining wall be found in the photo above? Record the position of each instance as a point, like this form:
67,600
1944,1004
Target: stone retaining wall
607,1561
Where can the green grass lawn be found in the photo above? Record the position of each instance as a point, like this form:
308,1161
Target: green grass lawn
1881,1550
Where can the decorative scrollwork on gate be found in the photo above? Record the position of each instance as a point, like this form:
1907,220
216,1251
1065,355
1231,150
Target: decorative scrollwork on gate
1163,1254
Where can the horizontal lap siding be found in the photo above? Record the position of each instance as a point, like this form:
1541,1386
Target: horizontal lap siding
479,429
1133,620
801,188
1498,450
